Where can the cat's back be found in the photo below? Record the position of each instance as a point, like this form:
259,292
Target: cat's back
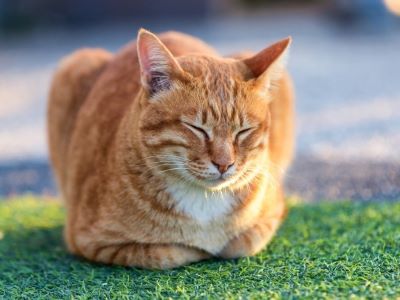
182,44
71,84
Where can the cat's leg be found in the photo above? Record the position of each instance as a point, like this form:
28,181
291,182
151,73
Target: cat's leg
251,241
149,256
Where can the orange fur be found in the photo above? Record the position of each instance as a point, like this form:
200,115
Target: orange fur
167,154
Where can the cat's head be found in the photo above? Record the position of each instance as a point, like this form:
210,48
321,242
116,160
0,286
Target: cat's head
206,119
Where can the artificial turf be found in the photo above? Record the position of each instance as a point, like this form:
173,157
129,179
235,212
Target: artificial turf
325,250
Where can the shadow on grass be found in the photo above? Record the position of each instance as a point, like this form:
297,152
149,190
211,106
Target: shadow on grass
28,242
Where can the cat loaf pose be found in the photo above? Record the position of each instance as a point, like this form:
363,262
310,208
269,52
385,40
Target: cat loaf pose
167,153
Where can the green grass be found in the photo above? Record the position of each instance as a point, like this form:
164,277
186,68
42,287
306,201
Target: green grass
324,250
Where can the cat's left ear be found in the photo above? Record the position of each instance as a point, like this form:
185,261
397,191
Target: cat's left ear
157,64
268,65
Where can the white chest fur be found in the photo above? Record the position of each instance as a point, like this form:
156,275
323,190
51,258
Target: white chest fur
202,206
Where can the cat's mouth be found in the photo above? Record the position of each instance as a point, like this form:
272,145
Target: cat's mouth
214,183
239,178
209,181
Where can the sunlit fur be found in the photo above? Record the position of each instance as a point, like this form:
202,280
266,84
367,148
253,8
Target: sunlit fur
137,158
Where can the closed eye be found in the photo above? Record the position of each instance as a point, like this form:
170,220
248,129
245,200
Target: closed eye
198,129
243,132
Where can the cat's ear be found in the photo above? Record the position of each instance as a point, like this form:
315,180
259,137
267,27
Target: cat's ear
157,64
268,65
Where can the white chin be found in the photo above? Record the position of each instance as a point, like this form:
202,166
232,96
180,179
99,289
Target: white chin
217,184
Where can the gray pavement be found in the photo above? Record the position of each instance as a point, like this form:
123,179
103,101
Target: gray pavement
347,86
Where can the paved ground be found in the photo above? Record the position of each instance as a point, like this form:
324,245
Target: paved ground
348,98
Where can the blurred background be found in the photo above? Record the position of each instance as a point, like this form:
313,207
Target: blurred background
345,60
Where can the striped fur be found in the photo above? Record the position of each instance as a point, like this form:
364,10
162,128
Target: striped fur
167,154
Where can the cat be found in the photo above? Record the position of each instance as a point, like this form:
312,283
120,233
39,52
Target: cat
167,153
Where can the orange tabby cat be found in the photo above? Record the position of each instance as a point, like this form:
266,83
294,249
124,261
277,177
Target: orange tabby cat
168,154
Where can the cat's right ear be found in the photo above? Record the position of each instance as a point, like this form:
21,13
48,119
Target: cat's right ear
157,64
268,65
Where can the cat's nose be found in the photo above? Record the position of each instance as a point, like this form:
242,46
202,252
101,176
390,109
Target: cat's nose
223,166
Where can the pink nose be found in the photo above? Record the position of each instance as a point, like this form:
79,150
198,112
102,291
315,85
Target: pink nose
222,167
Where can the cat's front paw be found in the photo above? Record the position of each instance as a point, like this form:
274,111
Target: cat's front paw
240,246
248,243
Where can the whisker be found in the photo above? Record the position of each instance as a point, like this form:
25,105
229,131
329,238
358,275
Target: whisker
171,169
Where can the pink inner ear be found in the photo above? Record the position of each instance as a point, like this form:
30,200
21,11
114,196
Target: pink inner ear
260,62
144,57
157,64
